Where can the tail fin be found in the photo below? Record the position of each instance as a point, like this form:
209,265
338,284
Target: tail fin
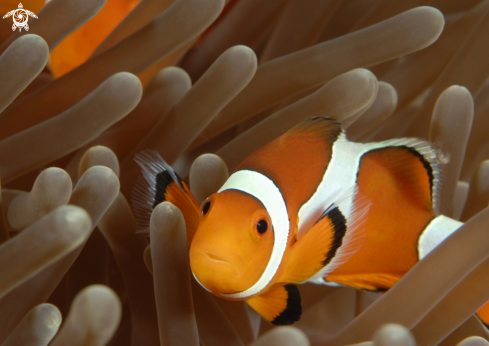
158,184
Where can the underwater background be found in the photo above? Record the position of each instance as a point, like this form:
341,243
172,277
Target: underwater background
93,82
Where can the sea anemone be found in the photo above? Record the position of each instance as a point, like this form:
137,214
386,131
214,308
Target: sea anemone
220,81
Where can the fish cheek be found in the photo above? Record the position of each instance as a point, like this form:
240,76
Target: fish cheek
228,254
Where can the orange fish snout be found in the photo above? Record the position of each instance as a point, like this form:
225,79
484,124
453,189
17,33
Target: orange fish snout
218,269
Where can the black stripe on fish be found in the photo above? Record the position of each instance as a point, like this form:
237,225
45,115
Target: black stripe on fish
163,180
426,165
293,311
339,230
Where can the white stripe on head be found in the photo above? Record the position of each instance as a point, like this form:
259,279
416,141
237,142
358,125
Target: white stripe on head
440,228
263,189
195,277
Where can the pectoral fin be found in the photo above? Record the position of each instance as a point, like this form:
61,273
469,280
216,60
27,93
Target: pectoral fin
330,242
281,305
309,254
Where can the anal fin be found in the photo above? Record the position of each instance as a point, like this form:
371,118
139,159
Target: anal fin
280,305
366,281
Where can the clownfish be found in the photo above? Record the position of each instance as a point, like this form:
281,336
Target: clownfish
309,206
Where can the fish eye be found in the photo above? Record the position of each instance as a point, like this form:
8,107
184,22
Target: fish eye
261,226
206,207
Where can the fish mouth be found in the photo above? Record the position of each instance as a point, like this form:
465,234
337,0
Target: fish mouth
215,256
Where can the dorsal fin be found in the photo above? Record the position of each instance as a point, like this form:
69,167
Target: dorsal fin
316,133
412,151
300,156
322,128
158,184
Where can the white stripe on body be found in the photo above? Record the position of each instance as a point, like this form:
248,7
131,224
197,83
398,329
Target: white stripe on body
262,188
340,178
437,231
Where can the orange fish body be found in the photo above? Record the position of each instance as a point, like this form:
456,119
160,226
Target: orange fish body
310,206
